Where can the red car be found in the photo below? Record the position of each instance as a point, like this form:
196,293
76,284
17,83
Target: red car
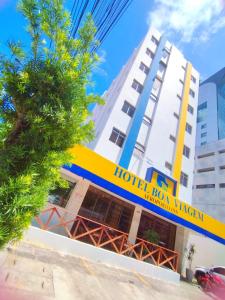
212,280
220,271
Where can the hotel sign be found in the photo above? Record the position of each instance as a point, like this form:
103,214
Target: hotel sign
157,196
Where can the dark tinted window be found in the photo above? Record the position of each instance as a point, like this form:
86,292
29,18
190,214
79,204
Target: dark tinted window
128,109
144,68
219,270
137,86
117,137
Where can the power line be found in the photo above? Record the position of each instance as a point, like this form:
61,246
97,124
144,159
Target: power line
105,13
115,21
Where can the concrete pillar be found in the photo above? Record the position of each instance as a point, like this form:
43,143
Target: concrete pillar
77,196
135,224
75,201
180,245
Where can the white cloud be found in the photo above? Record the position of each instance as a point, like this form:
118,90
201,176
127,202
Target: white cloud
102,56
190,19
102,59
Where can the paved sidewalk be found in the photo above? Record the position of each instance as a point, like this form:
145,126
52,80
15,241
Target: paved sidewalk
34,272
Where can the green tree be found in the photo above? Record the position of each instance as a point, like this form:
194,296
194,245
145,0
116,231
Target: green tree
152,236
43,111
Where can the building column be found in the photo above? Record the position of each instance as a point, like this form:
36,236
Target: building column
180,245
77,196
135,224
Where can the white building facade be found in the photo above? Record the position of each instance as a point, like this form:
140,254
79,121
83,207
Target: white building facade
209,179
136,176
149,118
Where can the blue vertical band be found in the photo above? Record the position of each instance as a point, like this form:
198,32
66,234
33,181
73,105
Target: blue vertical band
130,141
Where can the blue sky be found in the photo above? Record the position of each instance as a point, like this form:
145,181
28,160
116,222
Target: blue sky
196,27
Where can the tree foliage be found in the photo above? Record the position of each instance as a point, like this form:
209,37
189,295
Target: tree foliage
151,236
43,111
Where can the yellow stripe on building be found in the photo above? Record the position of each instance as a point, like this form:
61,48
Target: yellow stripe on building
182,127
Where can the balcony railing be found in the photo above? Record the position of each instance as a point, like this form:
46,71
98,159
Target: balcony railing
61,221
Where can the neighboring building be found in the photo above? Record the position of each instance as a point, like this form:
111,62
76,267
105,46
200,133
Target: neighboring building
209,179
149,119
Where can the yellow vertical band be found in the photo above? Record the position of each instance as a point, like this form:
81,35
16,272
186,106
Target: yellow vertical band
182,126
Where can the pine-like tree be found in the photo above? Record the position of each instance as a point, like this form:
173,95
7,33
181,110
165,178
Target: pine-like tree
43,111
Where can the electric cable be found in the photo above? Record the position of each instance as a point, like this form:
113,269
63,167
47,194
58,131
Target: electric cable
105,13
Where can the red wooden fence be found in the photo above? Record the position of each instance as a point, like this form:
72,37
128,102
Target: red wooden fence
82,229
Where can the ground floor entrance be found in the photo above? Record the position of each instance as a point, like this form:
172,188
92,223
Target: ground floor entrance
108,209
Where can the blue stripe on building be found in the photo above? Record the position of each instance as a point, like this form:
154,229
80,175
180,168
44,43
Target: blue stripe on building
130,141
138,200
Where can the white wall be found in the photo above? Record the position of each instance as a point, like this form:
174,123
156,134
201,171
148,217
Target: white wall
115,117
208,252
77,248
159,149
210,200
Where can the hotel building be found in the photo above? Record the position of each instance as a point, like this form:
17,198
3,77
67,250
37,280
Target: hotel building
149,119
137,174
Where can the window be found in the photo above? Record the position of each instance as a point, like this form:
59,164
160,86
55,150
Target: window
205,186
156,86
188,128
98,205
192,93
203,126
168,165
154,40
219,270
184,179
147,121
137,86
202,106
165,53
186,151
222,167
190,109
117,137
202,109
149,53
144,68
206,155
193,79
176,115
222,185
203,143
161,70
205,170
128,109
222,151
172,138
153,98
203,134
139,147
